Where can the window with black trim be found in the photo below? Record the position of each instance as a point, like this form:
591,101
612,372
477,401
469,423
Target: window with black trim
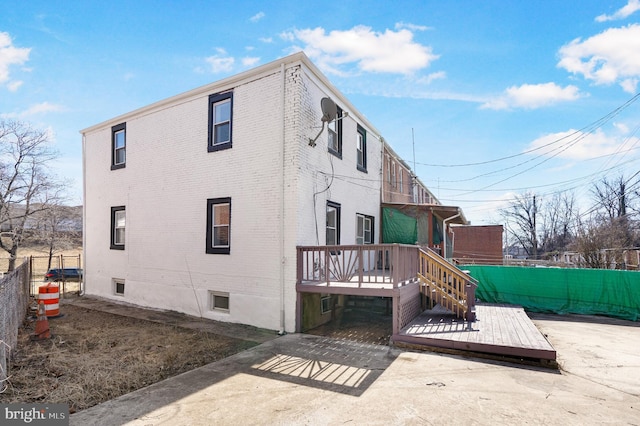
118,146
118,222
333,223
335,135
220,121
362,149
364,229
219,225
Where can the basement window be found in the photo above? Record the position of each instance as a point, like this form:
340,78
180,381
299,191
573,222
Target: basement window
325,303
118,287
219,301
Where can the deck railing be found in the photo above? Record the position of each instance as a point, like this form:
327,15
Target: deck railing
394,264
447,285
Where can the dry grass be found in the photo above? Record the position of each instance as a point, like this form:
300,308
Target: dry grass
95,356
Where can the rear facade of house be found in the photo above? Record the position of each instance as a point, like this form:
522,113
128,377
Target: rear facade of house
196,203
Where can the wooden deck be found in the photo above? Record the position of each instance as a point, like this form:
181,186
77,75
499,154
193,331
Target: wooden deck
500,330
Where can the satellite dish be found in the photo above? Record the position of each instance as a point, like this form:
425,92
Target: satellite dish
329,109
329,113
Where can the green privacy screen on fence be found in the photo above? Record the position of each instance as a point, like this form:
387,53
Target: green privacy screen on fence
563,291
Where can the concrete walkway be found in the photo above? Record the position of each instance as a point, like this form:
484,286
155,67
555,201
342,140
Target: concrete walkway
308,380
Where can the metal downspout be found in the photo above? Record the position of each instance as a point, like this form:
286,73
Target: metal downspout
84,211
282,207
444,225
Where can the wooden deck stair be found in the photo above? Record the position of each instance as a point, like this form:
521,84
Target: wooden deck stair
443,283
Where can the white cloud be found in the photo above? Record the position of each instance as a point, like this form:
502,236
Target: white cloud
250,61
613,56
412,27
622,127
532,96
630,8
41,108
14,85
576,145
266,39
258,16
287,36
382,52
220,62
431,77
10,55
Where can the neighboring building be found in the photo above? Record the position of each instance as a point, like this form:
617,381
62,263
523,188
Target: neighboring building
411,214
480,245
400,184
196,203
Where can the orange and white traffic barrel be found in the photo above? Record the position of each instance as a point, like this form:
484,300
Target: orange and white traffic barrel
50,295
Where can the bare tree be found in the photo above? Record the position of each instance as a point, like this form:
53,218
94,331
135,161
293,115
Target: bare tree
521,217
559,219
599,246
26,186
613,198
58,228
617,205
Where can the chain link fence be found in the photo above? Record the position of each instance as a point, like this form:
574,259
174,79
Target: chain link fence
14,302
40,265
17,288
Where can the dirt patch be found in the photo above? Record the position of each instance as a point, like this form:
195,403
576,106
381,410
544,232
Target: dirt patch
95,356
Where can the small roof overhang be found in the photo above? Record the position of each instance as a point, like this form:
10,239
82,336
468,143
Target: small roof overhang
451,214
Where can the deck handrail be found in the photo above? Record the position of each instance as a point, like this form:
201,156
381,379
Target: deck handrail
362,264
446,284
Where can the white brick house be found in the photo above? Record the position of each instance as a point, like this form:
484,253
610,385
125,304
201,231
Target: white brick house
196,203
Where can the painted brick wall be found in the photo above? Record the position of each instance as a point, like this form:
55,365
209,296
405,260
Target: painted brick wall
278,186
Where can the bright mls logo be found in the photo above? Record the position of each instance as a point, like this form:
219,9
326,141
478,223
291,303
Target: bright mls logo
34,414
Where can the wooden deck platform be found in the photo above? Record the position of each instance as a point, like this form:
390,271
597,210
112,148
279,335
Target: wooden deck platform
500,330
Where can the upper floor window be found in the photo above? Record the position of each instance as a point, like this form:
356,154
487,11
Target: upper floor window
394,182
400,173
118,146
220,121
335,135
118,222
333,223
364,229
219,225
362,149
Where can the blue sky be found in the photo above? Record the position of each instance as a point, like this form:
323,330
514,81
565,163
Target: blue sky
496,98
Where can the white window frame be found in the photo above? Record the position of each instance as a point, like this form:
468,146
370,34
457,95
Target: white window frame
364,229
213,227
118,146
325,303
116,283
221,122
118,227
215,296
333,211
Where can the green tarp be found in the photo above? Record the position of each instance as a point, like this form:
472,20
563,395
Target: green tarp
576,291
398,227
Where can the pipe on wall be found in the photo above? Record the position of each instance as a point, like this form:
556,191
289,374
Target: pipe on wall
282,205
